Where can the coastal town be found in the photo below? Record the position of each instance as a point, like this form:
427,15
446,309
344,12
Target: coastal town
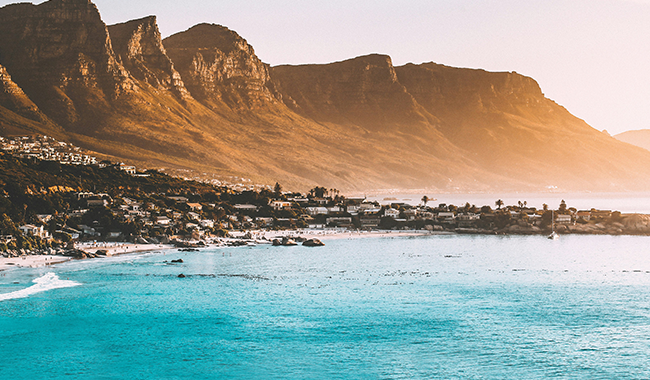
92,201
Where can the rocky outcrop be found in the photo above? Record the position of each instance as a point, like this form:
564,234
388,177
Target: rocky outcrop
138,45
284,242
220,68
60,54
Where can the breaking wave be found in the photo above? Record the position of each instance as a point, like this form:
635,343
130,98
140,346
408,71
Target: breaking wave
42,284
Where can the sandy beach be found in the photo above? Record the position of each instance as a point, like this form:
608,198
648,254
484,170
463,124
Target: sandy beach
330,234
33,261
112,249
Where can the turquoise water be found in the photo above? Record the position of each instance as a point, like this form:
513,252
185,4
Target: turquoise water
441,307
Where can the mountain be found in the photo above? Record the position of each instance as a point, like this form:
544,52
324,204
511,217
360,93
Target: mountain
138,46
501,122
640,138
220,68
202,100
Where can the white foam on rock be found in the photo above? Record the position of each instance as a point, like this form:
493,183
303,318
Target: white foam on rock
47,282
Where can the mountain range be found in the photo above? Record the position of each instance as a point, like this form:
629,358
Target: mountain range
202,100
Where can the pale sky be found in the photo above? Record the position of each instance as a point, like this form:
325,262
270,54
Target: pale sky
591,56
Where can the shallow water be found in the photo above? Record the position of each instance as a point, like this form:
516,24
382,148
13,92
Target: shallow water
466,307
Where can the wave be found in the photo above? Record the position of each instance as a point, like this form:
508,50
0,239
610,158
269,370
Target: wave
47,282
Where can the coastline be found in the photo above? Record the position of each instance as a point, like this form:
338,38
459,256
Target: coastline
258,236
254,237
333,234
112,249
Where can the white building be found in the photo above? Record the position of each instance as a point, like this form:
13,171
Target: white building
317,211
207,223
245,207
163,220
391,213
281,205
38,231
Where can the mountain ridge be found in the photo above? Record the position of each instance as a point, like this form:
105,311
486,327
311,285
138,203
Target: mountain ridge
202,100
640,138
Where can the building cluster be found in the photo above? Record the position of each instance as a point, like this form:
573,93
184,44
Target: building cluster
159,217
47,149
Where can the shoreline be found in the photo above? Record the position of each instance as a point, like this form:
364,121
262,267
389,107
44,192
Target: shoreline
112,249
261,237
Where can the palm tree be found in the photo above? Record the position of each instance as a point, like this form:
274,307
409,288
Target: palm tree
425,199
499,203
277,189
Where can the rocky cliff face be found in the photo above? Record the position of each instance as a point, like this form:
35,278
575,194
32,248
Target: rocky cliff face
138,45
18,114
363,91
60,54
448,90
219,67
14,99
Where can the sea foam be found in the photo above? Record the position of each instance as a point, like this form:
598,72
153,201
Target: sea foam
42,284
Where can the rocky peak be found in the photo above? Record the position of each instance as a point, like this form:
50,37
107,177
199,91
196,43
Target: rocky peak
59,52
210,36
363,91
138,45
218,66
441,88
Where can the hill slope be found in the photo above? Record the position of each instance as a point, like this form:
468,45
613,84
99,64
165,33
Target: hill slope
640,138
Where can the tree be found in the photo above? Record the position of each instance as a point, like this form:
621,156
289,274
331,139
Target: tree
425,199
499,203
562,208
277,189
318,192
486,210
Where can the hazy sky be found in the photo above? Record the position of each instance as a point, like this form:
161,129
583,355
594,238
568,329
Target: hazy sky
591,56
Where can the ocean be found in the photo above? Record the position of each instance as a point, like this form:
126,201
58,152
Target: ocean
433,307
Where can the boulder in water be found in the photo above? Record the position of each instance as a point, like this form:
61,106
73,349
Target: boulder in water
313,243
